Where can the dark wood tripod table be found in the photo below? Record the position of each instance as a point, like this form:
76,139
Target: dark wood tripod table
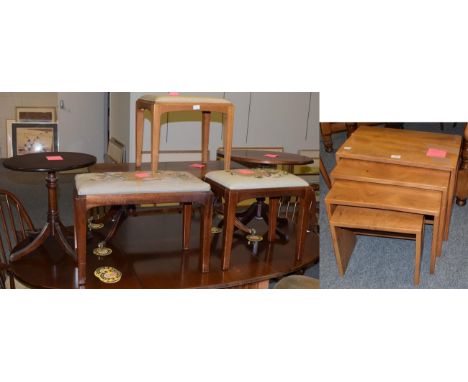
50,163
268,159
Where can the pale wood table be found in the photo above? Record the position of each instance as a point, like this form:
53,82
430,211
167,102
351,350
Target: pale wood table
393,175
407,149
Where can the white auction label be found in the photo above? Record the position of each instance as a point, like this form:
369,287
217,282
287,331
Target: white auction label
347,147
395,156
196,107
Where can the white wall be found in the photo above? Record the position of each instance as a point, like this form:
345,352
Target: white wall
119,118
82,123
290,120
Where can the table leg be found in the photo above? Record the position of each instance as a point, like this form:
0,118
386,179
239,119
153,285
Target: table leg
435,243
53,227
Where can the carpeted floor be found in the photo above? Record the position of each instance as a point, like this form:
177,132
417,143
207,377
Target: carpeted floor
30,189
389,263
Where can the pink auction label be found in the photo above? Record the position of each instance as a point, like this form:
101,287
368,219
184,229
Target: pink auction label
197,165
436,153
174,93
54,157
142,174
271,155
245,172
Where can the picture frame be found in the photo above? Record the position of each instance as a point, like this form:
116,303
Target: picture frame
29,138
36,114
9,138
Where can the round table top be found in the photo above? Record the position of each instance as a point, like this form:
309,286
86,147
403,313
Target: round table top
249,156
49,162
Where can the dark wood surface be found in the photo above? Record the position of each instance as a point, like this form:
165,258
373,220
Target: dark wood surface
258,157
54,228
147,250
38,162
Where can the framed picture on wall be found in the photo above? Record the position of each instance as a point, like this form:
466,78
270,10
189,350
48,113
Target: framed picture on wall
9,137
27,138
36,114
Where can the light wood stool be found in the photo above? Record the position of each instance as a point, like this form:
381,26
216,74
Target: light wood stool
346,219
165,104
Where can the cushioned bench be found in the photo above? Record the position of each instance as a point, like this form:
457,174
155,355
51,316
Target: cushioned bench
238,185
123,188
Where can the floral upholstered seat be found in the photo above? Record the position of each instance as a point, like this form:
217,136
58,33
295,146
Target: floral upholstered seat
251,179
138,182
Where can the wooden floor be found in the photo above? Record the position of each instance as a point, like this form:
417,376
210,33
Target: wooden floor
147,250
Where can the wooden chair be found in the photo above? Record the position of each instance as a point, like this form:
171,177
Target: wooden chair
327,129
235,186
101,189
373,221
15,226
165,104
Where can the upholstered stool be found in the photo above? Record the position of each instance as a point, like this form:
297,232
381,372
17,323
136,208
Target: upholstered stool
122,188
238,185
165,104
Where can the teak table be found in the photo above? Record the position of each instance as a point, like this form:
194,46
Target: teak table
410,149
398,170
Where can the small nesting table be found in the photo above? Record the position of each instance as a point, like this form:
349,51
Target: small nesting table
399,170
50,163
407,148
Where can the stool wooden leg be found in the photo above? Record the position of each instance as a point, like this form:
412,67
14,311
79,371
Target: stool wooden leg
419,248
155,137
80,237
227,137
205,234
206,119
230,204
139,127
272,218
187,224
302,220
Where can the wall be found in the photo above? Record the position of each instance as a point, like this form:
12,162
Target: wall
83,122
119,118
8,104
290,120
